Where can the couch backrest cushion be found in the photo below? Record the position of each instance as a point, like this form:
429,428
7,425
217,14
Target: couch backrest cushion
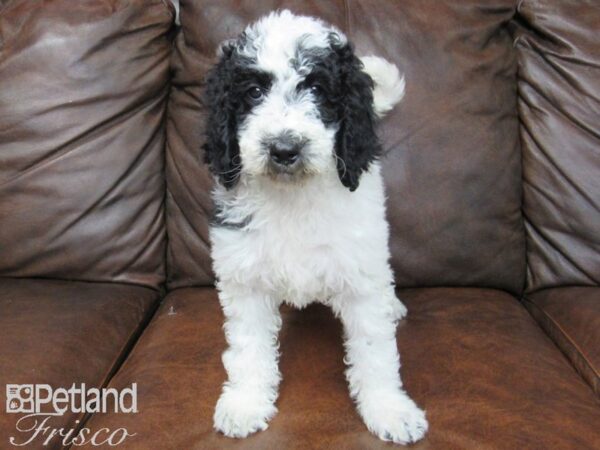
452,167
83,89
559,86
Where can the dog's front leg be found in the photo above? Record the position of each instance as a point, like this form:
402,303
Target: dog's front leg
247,403
373,366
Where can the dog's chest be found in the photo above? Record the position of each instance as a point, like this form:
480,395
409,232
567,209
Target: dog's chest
307,248
300,260
299,257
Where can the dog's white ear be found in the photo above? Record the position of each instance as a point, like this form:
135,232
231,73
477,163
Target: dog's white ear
389,84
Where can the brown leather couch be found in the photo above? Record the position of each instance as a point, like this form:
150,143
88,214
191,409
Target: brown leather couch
492,168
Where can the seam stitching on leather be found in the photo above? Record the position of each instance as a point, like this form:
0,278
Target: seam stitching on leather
126,349
567,337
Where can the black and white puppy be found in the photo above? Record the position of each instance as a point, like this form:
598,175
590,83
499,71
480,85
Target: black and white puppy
300,214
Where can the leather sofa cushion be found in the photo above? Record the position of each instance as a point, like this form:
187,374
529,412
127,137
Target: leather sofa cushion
487,375
82,102
559,107
452,167
571,316
65,332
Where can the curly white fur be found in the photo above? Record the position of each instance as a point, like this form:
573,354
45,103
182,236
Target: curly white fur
389,84
304,240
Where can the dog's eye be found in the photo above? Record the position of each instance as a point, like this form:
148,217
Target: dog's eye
316,89
254,93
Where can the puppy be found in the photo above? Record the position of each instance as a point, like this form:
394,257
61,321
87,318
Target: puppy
300,214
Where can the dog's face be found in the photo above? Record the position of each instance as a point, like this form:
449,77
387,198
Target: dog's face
288,99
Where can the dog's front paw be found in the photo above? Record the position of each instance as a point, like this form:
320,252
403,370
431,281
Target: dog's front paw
394,418
240,412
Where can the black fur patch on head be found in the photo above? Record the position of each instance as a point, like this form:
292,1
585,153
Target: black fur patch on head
356,143
227,87
344,94
346,99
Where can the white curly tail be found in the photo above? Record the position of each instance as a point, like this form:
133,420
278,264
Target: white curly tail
389,83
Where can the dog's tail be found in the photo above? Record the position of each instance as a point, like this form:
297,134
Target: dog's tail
389,84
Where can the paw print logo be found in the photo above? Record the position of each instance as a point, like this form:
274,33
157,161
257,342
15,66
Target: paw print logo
19,398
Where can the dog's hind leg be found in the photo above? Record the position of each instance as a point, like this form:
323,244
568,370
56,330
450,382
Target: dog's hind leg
252,322
373,365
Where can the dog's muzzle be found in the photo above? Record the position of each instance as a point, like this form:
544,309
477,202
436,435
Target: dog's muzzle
285,152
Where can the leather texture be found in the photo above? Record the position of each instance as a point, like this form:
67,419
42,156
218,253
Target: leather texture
65,332
559,107
571,316
82,106
487,375
452,166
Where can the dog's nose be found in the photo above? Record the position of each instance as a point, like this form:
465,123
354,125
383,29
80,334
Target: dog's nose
285,151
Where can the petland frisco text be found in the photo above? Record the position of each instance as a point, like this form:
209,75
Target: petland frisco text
41,404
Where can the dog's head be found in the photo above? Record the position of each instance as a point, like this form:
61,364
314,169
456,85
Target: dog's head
289,99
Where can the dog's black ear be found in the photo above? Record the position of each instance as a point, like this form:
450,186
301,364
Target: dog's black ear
356,144
221,149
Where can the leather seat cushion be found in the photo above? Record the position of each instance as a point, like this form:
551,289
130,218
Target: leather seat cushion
84,87
65,332
452,163
558,84
485,372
